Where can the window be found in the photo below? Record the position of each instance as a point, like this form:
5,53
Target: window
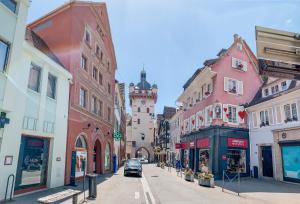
139,121
87,37
101,56
4,49
232,114
236,160
290,112
95,73
94,105
108,114
100,79
209,89
82,97
100,108
239,64
34,78
83,62
266,92
108,66
264,118
139,109
10,4
275,89
283,85
97,51
239,46
148,110
51,87
108,88
232,86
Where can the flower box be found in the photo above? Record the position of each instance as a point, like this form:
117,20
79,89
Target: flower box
206,182
189,178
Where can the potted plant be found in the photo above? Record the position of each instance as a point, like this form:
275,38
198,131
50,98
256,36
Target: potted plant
206,179
188,174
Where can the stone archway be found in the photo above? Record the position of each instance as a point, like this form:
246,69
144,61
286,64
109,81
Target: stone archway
97,157
142,152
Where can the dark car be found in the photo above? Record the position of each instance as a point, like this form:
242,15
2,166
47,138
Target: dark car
133,166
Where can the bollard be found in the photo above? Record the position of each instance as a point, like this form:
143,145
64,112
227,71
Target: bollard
92,186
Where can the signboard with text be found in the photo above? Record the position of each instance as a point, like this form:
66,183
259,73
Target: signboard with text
237,142
203,143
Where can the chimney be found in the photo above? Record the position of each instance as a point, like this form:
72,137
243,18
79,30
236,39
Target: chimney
236,37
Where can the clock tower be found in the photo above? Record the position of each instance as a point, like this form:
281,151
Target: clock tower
143,97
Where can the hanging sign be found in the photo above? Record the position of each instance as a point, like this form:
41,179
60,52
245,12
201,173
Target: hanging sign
117,135
184,145
177,146
236,142
192,144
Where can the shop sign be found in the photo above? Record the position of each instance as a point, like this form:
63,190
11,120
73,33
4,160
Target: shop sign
184,145
203,143
236,142
224,157
8,160
192,144
177,146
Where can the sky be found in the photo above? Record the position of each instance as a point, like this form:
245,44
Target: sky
172,38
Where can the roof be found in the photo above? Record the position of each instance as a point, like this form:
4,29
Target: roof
259,99
210,62
143,84
222,51
169,112
37,42
189,81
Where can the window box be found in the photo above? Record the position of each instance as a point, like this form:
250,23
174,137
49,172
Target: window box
233,90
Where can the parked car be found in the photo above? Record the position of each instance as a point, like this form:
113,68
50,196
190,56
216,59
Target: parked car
133,166
144,161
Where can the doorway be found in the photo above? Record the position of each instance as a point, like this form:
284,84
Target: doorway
267,161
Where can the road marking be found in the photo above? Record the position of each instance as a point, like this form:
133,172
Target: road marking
147,192
137,195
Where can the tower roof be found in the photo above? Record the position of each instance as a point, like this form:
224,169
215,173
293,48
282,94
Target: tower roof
143,84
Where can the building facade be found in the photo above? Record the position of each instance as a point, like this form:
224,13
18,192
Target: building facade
143,98
85,48
175,133
34,110
215,131
119,132
275,129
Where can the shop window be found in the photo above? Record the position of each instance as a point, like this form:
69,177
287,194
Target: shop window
33,162
4,50
232,116
34,78
264,118
203,160
51,87
290,112
291,164
107,157
236,160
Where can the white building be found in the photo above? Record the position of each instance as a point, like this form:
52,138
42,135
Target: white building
119,107
175,133
143,98
275,130
34,96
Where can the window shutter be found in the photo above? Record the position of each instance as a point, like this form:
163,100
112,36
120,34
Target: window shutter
239,109
240,88
278,114
233,62
245,66
225,112
254,118
225,84
271,117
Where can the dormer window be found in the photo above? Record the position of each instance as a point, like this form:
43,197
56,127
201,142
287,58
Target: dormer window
266,92
283,85
275,89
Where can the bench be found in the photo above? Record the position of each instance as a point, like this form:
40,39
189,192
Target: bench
60,196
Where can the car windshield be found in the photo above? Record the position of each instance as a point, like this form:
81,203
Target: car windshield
133,162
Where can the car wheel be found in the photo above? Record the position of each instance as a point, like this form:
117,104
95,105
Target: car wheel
140,174
125,173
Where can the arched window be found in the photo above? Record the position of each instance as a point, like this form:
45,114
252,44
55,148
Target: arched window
107,157
80,142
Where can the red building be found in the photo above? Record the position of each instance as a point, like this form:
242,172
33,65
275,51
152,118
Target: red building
79,35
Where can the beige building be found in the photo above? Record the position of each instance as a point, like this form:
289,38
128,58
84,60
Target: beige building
141,127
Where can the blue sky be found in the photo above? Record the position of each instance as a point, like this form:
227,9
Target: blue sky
172,38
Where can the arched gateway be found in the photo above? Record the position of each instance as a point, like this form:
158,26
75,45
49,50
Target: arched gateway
142,152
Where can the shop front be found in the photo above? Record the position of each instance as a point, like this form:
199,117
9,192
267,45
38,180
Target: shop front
32,164
185,155
217,149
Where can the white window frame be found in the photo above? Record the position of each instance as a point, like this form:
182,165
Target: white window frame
289,105
264,118
83,101
236,114
87,30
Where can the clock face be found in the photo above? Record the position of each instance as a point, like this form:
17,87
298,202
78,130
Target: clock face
143,102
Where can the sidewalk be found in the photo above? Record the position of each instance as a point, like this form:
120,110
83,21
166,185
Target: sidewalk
269,191
33,197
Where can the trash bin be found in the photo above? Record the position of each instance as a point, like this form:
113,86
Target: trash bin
92,186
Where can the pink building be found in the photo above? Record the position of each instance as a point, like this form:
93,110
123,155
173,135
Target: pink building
214,130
